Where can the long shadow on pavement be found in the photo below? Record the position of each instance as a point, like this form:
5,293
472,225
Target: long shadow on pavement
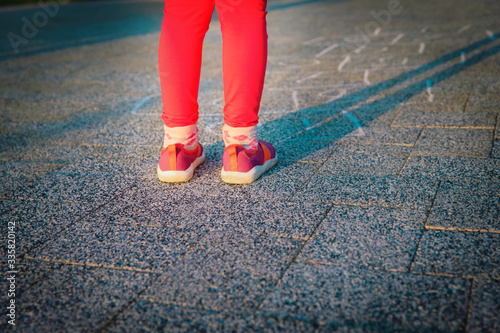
329,122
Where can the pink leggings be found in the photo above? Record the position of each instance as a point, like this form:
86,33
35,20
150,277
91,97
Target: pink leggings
243,26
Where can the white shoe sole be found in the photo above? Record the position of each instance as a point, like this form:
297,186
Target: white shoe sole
234,177
180,176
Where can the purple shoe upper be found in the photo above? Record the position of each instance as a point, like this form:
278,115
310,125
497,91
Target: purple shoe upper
177,158
238,159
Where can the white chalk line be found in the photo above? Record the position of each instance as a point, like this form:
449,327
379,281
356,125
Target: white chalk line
141,103
464,28
328,49
358,132
397,39
329,91
309,77
421,48
359,49
434,37
430,98
365,77
295,99
343,63
312,41
342,93
359,129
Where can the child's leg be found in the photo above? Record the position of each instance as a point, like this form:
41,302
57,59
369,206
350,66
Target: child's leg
184,26
243,25
185,23
244,33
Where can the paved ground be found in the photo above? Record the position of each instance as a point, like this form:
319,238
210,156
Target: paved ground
382,214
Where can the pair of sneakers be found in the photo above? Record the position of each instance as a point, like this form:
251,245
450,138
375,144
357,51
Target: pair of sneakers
241,166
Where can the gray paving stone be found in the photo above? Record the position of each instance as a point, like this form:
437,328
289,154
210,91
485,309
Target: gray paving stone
104,168
389,191
495,153
148,316
19,110
455,83
460,253
281,100
109,134
46,153
367,160
226,271
360,299
96,189
486,86
78,298
442,100
163,198
18,178
134,247
138,206
147,116
487,66
313,151
37,221
295,129
367,237
282,181
419,118
497,128
129,135
467,205
383,135
485,308
74,130
282,129
479,103
376,114
125,154
235,214
447,167
16,187
7,205
454,142
196,188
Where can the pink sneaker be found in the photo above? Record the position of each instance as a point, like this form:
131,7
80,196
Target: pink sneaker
243,167
177,164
